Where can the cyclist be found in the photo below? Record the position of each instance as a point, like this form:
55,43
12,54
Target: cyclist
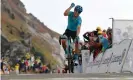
74,23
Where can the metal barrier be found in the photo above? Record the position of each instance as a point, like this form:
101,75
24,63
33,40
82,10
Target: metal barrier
117,59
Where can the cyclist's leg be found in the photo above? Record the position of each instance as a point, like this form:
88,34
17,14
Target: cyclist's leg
73,35
75,57
76,42
67,33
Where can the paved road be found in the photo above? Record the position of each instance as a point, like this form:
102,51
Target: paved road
122,76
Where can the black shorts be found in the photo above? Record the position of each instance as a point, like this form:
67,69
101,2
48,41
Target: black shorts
70,33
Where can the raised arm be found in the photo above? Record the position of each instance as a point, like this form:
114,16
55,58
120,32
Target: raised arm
68,10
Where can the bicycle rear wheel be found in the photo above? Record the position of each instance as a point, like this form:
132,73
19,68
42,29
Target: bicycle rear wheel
69,63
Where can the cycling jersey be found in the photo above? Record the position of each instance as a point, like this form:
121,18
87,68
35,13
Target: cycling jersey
73,22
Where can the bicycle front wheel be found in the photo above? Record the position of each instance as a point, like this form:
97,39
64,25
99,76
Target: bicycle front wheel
70,62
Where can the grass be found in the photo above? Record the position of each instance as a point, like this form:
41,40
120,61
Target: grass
44,48
6,32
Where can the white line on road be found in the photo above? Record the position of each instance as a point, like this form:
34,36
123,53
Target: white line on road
95,78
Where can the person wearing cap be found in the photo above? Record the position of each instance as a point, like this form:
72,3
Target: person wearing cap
98,29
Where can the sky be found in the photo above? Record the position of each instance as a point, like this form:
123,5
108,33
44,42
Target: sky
95,12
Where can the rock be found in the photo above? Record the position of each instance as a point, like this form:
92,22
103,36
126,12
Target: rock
12,50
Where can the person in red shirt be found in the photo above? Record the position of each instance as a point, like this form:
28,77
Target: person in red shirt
58,70
44,68
26,63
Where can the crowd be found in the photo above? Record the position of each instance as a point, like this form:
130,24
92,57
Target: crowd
5,67
27,64
98,41
30,64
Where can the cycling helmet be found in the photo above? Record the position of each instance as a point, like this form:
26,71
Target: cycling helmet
78,9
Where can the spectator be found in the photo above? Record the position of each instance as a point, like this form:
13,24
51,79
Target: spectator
109,30
98,29
6,70
17,68
23,66
9,68
44,68
2,66
95,38
94,44
98,40
58,70
104,33
28,56
109,34
86,37
103,41
97,46
32,60
38,60
65,69
26,65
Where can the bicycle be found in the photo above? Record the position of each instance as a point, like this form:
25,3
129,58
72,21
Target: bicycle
68,51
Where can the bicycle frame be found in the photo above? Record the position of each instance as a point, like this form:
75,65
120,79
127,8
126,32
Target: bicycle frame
70,59
69,46
68,51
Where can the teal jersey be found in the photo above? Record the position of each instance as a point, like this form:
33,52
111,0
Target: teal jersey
73,22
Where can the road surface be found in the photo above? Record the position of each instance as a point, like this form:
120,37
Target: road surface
114,76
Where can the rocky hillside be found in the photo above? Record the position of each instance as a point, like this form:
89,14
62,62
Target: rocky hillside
22,32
